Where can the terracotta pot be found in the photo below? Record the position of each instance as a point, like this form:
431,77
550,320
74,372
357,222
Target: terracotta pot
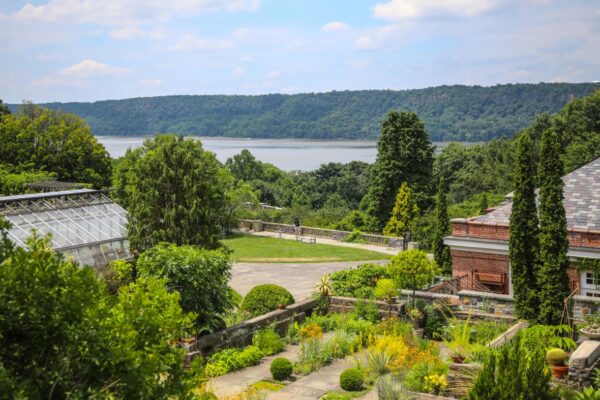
458,359
281,306
559,371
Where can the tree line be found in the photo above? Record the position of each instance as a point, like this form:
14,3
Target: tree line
451,113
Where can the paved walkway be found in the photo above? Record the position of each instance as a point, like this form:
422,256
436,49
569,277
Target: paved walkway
299,278
381,249
236,382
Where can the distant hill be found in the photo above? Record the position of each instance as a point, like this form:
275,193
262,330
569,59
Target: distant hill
465,113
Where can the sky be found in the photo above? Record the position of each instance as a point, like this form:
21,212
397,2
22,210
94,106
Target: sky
87,50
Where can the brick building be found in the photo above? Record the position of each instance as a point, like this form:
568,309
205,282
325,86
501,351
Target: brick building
479,245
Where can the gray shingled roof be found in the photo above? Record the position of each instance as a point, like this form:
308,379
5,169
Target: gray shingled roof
582,201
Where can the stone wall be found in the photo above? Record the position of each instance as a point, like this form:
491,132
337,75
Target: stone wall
582,363
584,306
347,304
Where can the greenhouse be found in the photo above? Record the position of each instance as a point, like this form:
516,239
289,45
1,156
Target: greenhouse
84,224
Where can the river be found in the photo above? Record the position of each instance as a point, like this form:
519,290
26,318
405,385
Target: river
287,154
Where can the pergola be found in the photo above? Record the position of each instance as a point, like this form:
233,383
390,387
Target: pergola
84,224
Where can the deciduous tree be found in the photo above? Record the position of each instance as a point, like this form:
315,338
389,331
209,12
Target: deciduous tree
412,269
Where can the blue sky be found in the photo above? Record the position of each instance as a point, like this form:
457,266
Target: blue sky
85,50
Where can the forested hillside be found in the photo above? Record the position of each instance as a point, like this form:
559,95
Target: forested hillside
465,113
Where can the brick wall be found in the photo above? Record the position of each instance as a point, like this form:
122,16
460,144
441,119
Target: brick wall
464,262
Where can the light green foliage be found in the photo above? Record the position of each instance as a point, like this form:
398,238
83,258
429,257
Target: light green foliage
404,154
53,141
14,181
412,269
441,229
553,280
175,192
228,360
556,356
237,200
353,237
548,336
63,335
358,282
281,368
524,233
388,389
588,393
268,341
386,290
200,276
264,298
351,380
514,371
313,355
404,215
415,378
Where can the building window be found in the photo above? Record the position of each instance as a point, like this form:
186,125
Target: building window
593,294
591,279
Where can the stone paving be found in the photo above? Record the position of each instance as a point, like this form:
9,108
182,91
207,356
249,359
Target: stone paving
299,278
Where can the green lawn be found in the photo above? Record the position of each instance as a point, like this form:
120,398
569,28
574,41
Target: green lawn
247,248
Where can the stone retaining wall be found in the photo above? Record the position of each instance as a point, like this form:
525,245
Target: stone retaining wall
584,306
582,363
347,304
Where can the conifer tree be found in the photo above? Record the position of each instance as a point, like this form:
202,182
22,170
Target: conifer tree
403,216
441,252
553,279
404,154
523,240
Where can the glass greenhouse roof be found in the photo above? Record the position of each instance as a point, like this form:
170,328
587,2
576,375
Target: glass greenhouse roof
84,224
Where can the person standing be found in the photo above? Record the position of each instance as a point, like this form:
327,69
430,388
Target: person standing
297,228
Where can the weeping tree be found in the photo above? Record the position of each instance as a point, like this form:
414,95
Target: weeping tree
552,277
524,233
441,252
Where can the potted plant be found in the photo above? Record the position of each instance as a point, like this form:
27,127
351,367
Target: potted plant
458,352
458,339
556,358
417,319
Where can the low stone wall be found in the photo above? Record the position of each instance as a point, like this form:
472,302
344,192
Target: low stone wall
377,240
584,306
582,363
241,334
490,303
347,304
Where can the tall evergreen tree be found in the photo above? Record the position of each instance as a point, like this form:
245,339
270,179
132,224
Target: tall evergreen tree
404,215
441,252
404,154
553,279
523,242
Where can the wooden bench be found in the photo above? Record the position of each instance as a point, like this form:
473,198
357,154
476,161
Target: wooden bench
308,239
497,282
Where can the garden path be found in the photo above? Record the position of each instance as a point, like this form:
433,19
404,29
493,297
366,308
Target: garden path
315,385
236,382
299,278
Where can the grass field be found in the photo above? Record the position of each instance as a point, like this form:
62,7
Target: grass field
247,248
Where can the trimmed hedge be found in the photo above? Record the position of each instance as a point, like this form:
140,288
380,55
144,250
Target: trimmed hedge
281,368
264,298
351,380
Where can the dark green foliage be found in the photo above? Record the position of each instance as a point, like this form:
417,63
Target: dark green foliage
524,233
404,154
268,341
47,140
264,298
200,276
552,278
514,372
352,380
175,192
358,282
470,113
4,110
63,336
441,252
281,368
366,310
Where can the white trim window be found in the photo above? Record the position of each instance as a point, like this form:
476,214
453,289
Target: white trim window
590,284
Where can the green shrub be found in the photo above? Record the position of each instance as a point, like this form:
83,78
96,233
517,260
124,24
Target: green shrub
313,355
359,281
415,378
366,310
351,380
225,361
268,341
208,396
353,237
264,298
281,368
341,344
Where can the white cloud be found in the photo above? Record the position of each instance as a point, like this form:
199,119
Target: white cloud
150,83
411,9
334,26
194,43
78,73
365,43
133,32
239,71
274,74
241,33
126,12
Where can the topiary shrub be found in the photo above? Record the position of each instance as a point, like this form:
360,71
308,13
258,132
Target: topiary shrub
264,298
351,380
281,368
